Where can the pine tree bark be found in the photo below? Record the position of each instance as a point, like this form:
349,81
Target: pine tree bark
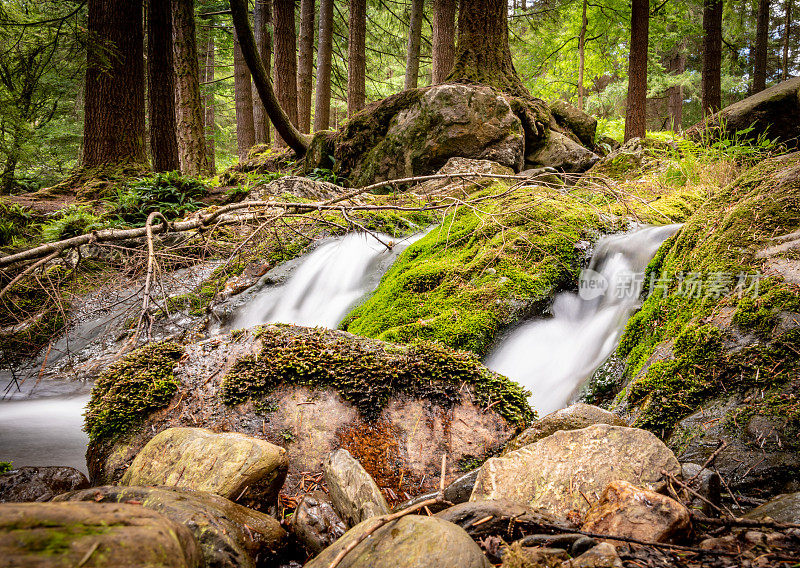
356,56
635,113
677,65
243,95
760,58
189,111
482,52
412,50
114,125
712,56
161,87
285,60
262,22
444,39
305,65
241,21
582,53
787,30
322,104
207,76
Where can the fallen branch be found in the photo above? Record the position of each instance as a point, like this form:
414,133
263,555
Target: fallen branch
151,259
27,271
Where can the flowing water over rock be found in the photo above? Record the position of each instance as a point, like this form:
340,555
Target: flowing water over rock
554,357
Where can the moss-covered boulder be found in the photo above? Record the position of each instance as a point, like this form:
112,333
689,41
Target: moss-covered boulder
712,354
394,408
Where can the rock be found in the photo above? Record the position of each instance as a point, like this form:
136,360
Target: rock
505,519
435,508
460,490
42,535
417,131
583,125
315,522
238,467
604,555
626,510
302,187
547,176
230,536
562,153
459,165
410,542
576,544
520,556
224,385
354,494
773,112
783,508
39,483
630,157
707,483
574,417
560,472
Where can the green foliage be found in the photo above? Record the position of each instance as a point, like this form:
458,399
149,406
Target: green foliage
171,194
5,467
130,389
71,222
14,222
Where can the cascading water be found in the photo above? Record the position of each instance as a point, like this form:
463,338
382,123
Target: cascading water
325,284
553,357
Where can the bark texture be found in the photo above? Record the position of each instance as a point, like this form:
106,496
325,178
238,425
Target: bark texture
114,132
189,111
787,31
712,56
285,60
243,94
412,50
677,65
482,52
357,58
444,38
760,62
262,22
305,66
207,76
635,117
322,105
161,87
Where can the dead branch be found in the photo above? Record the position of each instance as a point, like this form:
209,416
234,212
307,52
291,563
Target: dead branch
27,271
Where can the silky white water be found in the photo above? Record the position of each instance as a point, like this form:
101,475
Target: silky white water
553,357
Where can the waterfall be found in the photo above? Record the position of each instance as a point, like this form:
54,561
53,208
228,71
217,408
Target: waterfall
553,357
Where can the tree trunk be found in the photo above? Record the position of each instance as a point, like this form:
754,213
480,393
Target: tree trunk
161,87
322,105
582,54
412,51
191,135
207,72
635,113
243,94
762,33
305,66
444,35
677,65
482,54
285,60
712,56
114,126
356,56
262,21
787,30
241,21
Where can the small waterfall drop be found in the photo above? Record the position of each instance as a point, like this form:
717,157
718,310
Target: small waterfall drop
553,357
325,284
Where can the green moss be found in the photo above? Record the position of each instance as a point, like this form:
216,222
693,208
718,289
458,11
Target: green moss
54,540
132,388
368,373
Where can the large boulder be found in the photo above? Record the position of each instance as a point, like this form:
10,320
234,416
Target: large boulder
783,508
39,483
774,112
626,510
396,409
559,473
353,492
238,467
44,535
562,153
409,542
574,417
315,523
583,125
230,536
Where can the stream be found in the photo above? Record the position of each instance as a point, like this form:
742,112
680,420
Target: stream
41,420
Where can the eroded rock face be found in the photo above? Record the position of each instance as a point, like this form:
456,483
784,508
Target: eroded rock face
354,494
39,483
626,510
43,535
410,542
229,464
229,535
574,417
558,473
562,153
315,523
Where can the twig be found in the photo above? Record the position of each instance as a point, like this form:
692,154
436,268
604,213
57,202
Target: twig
151,258
381,521
675,480
27,271
723,444
740,522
